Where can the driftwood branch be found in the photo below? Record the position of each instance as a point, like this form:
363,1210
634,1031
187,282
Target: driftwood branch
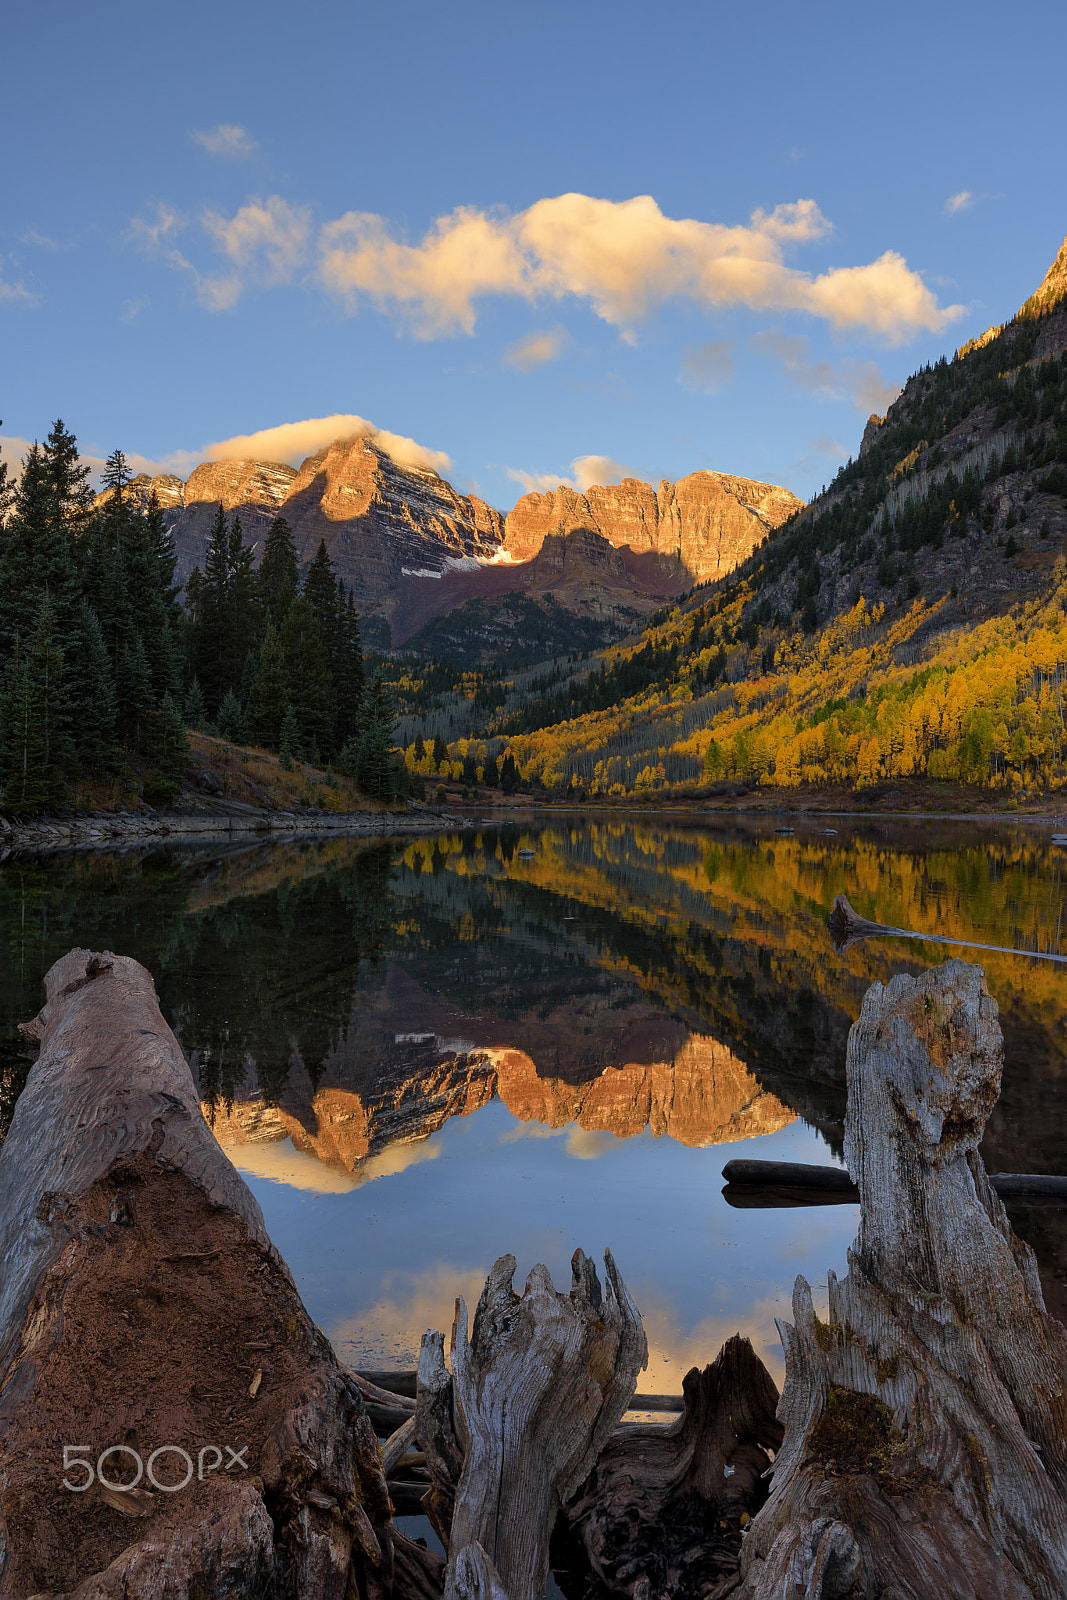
542,1382
926,1422
143,1309
847,928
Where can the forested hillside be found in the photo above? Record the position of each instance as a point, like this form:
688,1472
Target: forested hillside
103,670
909,623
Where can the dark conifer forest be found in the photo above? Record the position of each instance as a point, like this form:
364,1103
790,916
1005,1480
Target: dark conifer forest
102,669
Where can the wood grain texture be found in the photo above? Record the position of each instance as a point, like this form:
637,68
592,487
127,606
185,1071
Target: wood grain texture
542,1381
664,1503
925,1445
144,1305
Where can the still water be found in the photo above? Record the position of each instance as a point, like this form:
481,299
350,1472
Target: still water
423,1055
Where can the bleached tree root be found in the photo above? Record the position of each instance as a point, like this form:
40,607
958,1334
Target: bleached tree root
144,1309
541,1383
925,1447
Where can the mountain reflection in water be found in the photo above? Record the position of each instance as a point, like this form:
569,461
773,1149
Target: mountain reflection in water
433,1043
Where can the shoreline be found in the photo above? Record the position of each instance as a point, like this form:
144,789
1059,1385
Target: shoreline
91,830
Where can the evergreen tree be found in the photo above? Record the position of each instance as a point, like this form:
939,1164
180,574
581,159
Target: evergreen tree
35,752
136,700
115,476
279,573
269,699
375,774
231,718
349,679
242,605
22,750
172,742
289,737
68,477
210,644
307,666
440,751
195,709
35,555
92,689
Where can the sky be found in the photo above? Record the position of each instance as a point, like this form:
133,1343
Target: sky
528,244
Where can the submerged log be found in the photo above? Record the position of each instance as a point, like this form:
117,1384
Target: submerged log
172,1423
664,1504
847,928
925,1450
542,1382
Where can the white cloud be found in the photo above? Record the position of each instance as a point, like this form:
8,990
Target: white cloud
709,367
131,309
536,349
586,471
17,294
958,202
265,243
860,382
625,258
227,140
294,441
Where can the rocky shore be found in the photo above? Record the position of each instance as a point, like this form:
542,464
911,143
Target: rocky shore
219,819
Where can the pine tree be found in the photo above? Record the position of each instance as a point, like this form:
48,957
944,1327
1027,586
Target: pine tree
242,605
349,677
68,476
35,556
195,709
92,689
22,749
172,743
210,646
231,718
440,751
307,666
375,774
136,700
289,738
270,693
36,750
279,573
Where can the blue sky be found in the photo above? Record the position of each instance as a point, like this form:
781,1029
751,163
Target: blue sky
545,243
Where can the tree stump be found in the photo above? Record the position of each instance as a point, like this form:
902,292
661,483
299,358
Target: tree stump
925,1447
150,1333
665,1504
541,1383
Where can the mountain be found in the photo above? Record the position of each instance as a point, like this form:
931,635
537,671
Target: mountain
909,624
705,524
414,549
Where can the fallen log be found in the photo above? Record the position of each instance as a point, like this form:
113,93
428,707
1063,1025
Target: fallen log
833,1185
172,1423
925,1446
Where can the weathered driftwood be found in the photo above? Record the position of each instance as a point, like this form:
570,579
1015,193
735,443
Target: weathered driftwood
847,928
143,1306
925,1450
441,1434
664,1504
542,1382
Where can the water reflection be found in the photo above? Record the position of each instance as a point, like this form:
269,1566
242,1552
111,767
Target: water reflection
384,1032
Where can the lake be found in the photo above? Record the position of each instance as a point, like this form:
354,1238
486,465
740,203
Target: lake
425,1054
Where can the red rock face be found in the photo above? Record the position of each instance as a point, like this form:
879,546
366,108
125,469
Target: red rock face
412,547
707,523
